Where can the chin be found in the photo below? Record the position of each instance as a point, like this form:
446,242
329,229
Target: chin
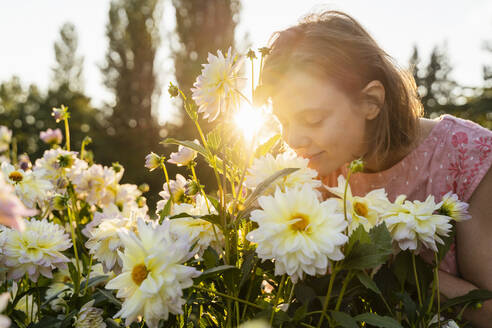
322,168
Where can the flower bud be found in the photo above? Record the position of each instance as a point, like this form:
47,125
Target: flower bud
153,161
173,90
144,187
117,167
192,188
184,156
51,137
60,113
62,183
65,161
265,51
24,162
251,54
356,165
59,202
141,201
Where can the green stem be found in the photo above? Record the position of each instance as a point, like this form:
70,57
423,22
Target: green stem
280,287
88,275
250,287
192,167
344,287
14,151
74,241
67,134
328,294
228,296
416,279
167,181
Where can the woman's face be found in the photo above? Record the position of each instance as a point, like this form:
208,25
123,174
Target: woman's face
320,122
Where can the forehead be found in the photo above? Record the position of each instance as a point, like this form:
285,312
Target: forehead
300,90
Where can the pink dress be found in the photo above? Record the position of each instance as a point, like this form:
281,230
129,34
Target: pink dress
455,156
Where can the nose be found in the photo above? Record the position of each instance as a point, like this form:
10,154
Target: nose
295,137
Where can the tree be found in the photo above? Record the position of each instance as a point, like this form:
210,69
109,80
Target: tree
435,87
129,72
69,66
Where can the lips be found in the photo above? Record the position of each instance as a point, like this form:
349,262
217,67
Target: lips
310,157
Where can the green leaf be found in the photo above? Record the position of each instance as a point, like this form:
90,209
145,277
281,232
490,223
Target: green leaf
477,295
368,282
344,319
213,272
187,143
409,305
54,296
250,260
108,295
402,266
378,321
95,281
266,183
210,258
304,293
111,323
264,148
46,321
213,139
166,211
368,255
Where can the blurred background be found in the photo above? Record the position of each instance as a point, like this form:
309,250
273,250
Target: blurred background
110,62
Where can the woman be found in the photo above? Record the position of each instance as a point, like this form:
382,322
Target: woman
340,97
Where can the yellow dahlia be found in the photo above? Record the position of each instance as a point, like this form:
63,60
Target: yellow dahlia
365,210
297,232
454,208
152,281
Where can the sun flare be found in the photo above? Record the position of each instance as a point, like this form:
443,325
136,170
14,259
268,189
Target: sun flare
249,120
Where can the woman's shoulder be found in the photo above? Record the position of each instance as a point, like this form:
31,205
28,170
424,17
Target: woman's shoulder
461,153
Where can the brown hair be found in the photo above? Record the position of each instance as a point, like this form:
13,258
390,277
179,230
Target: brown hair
337,46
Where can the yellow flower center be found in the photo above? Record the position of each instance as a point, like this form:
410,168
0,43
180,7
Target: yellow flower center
15,176
301,223
139,273
361,209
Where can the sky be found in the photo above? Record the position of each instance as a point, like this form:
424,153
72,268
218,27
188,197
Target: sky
28,29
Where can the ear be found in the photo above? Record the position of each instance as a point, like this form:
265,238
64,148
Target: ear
373,95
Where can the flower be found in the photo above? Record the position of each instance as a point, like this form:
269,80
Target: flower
60,114
30,186
152,281
200,232
454,208
4,321
255,324
12,210
365,210
152,161
97,184
59,164
178,190
24,162
5,138
184,155
298,232
104,241
52,137
217,88
36,250
89,317
126,196
265,166
411,222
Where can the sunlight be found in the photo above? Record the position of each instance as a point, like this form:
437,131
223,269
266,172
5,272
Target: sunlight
249,120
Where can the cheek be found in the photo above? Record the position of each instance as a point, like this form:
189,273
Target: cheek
344,139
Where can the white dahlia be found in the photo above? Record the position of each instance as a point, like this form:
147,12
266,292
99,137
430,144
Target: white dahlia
365,210
126,197
4,321
267,165
59,163
412,222
104,240
196,230
183,156
297,232
152,280
178,190
97,184
217,89
89,317
38,249
30,186
454,208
